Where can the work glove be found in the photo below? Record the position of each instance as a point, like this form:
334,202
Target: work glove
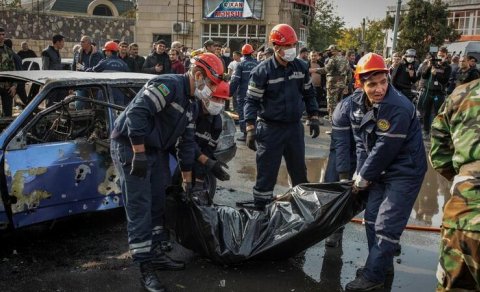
139,165
80,67
360,184
314,128
251,140
216,167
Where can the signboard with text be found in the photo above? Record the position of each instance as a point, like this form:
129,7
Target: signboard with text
233,9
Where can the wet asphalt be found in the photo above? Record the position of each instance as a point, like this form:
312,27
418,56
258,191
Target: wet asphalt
91,254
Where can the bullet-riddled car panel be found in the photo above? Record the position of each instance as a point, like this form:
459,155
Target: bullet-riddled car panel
54,154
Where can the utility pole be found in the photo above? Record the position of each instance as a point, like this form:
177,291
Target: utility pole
395,26
363,36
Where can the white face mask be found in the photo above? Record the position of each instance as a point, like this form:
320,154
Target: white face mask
205,92
227,55
290,54
410,59
213,108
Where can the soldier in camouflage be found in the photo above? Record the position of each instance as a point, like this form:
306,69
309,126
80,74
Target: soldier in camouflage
8,90
339,75
455,154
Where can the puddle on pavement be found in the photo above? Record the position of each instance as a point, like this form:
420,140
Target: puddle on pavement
428,208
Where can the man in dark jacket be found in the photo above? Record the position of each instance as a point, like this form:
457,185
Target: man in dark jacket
465,73
123,55
436,74
8,90
404,76
25,52
134,54
87,56
158,61
51,59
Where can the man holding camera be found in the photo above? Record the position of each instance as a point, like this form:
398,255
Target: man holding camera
403,76
436,75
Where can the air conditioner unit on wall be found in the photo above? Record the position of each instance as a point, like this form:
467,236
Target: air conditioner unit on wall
181,27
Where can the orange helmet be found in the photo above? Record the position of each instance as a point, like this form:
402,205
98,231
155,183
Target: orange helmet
222,91
111,46
370,63
212,65
247,49
283,34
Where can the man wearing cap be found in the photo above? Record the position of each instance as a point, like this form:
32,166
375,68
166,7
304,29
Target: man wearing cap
51,58
158,62
338,75
161,116
278,93
239,85
404,76
391,165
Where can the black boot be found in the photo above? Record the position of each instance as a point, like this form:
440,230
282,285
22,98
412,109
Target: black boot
149,279
362,284
388,272
242,138
162,262
335,239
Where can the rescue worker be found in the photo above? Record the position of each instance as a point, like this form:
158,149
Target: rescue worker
160,116
455,154
341,159
111,62
338,74
208,127
277,94
403,77
239,85
391,165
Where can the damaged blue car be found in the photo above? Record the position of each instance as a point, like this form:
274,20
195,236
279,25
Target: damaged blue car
54,150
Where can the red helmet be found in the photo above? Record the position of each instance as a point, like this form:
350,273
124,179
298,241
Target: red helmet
282,35
111,46
212,65
222,91
247,49
369,63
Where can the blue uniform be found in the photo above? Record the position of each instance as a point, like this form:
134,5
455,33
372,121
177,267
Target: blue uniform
111,64
161,114
342,158
207,132
277,96
391,155
239,82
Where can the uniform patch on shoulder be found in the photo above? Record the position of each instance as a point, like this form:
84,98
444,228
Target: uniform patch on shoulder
163,89
252,84
383,125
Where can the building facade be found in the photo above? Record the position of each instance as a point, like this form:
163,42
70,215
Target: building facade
230,22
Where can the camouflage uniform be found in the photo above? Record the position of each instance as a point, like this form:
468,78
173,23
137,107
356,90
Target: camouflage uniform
455,154
6,64
339,76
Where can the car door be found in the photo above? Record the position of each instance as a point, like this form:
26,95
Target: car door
58,164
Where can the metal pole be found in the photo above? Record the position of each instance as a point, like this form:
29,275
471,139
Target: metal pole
395,27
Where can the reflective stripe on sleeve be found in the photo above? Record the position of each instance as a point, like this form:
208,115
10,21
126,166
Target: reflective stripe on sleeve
157,99
277,80
403,136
